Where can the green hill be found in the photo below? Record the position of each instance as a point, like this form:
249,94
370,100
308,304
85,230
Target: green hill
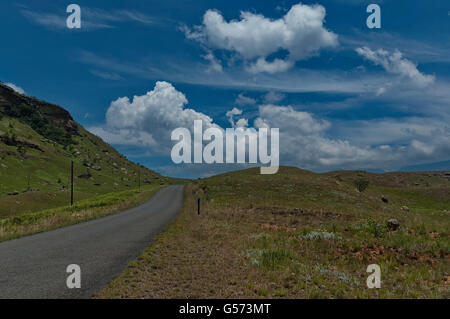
38,141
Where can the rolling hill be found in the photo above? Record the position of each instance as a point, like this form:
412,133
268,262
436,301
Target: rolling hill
299,234
38,141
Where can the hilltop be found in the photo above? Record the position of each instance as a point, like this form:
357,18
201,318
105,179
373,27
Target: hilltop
38,141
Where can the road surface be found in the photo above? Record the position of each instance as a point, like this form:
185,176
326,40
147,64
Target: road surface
35,266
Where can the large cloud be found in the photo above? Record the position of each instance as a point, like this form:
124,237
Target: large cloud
300,32
148,120
304,141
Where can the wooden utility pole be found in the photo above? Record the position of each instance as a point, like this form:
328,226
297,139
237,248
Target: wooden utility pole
71,184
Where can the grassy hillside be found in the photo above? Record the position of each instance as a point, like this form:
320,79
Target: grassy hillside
38,141
301,235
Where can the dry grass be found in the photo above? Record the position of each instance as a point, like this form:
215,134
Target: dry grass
196,258
313,243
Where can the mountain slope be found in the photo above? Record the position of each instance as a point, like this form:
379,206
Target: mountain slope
38,141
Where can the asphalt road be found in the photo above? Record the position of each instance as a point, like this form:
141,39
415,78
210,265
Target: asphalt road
35,266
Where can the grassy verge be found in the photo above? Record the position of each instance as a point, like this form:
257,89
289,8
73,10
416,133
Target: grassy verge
84,210
294,235
194,257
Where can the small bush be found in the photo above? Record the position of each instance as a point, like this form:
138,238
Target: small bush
373,227
361,184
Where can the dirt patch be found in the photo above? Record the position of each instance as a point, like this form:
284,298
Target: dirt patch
372,253
299,212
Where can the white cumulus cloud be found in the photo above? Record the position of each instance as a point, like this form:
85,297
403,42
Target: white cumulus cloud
231,114
367,144
300,32
149,119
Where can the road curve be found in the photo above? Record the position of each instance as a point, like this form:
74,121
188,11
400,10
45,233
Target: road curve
35,266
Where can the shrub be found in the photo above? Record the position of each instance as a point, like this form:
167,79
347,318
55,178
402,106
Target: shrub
30,115
373,227
361,184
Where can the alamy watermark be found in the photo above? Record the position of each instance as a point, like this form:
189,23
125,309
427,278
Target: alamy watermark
374,279
374,19
74,19
242,141
74,279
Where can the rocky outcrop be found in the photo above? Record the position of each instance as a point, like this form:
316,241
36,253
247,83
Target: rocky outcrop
21,106
19,142
393,224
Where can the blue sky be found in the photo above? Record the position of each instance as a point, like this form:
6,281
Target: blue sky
343,95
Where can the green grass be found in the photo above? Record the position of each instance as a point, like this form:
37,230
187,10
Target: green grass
42,178
38,143
84,210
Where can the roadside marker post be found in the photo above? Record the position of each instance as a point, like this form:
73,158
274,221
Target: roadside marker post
198,206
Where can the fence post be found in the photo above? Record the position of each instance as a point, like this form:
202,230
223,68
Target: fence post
71,184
